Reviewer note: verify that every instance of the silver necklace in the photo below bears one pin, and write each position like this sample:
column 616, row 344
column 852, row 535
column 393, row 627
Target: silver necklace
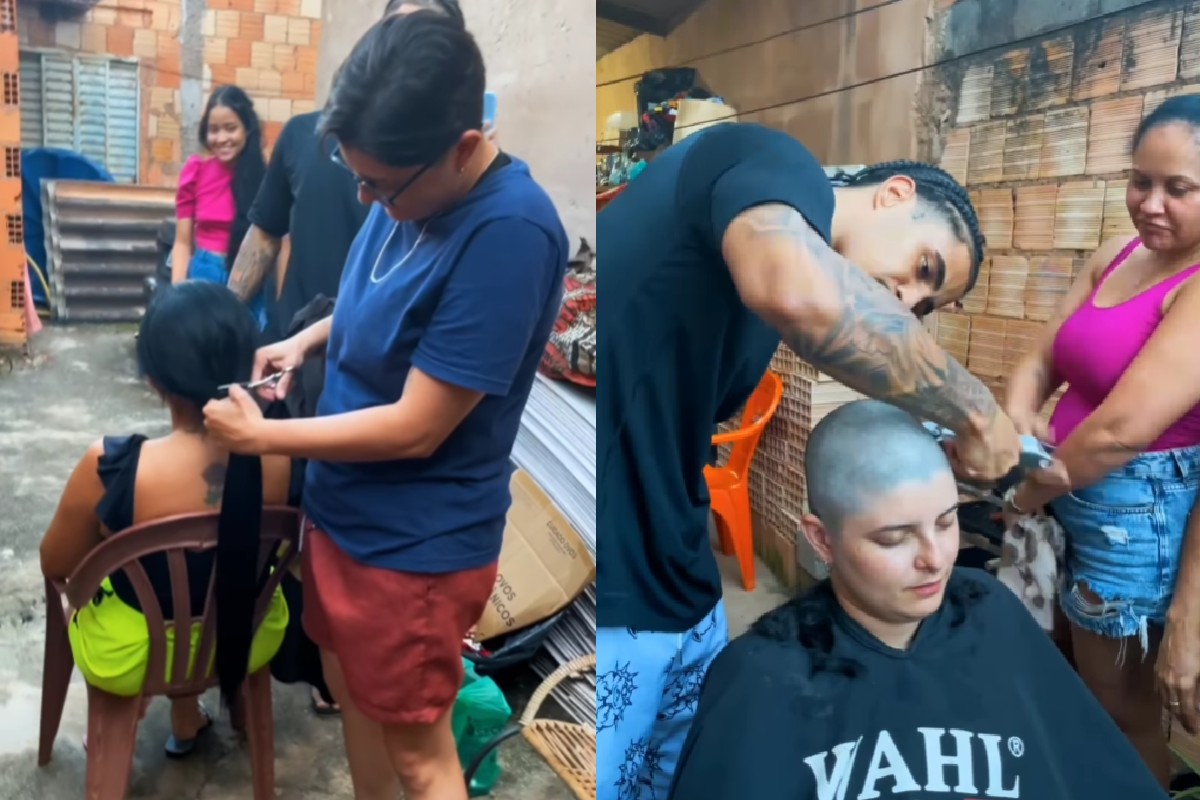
column 377, row 279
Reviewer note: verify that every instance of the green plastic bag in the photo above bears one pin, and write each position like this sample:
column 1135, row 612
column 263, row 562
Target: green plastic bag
column 480, row 713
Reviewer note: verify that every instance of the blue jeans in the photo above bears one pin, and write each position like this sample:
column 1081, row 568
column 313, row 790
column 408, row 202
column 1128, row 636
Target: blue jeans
column 1124, row 536
column 647, row 688
column 210, row 268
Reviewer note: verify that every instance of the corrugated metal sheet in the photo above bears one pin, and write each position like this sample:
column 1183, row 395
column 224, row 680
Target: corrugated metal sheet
column 32, row 134
column 82, row 103
column 101, row 242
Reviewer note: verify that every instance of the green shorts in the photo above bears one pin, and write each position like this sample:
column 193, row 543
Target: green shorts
column 111, row 643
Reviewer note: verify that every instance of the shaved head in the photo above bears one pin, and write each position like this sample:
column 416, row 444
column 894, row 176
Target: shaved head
column 862, row 452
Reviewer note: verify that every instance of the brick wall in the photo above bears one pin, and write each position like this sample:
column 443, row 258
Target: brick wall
column 1040, row 136
column 267, row 47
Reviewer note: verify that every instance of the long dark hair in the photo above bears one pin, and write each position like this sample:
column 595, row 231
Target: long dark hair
column 250, row 167
column 195, row 337
column 450, row 8
column 411, row 87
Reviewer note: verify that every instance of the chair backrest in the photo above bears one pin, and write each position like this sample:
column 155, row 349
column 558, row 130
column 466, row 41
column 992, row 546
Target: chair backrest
column 606, row 197
column 760, row 408
column 174, row 537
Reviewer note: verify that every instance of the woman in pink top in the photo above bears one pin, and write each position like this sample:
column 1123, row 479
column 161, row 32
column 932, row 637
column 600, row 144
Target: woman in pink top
column 215, row 193
column 1125, row 342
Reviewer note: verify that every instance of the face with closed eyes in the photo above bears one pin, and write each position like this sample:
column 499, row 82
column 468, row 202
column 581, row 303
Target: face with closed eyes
column 907, row 246
column 889, row 563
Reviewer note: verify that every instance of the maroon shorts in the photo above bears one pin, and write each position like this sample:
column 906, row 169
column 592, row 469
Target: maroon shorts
column 397, row 635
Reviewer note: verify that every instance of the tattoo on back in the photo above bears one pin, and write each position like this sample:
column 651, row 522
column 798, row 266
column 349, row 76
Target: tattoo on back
column 877, row 346
column 214, row 480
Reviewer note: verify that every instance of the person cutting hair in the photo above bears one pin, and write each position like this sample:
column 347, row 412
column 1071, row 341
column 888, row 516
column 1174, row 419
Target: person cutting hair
column 727, row 244
column 899, row 676
column 445, row 305
column 313, row 202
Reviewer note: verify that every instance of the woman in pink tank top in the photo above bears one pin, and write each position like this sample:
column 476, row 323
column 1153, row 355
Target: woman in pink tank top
column 1125, row 342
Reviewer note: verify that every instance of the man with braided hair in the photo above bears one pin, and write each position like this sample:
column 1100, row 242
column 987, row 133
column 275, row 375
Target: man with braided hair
column 727, row 244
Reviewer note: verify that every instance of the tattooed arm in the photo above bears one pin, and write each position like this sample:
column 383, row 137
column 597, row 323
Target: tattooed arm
column 845, row 324
column 255, row 261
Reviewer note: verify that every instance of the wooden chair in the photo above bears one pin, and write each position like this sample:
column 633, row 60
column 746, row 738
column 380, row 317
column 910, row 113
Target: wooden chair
column 112, row 720
column 568, row 748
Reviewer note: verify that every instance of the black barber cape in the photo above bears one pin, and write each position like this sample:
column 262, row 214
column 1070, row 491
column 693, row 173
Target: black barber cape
column 808, row 706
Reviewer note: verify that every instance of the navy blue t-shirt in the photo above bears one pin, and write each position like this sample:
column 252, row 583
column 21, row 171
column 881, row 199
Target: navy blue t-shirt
column 679, row 353
column 469, row 299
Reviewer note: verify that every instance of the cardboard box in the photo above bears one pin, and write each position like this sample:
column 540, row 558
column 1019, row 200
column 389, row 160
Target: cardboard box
column 544, row 564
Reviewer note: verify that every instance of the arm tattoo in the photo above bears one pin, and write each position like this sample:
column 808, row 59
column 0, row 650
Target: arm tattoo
column 214, row 480
column 255, row 260
column 876, row 345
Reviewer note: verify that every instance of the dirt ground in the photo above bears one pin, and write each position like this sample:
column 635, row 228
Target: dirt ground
column 82, row 384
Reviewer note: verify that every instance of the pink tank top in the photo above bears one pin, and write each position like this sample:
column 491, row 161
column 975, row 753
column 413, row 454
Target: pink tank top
column 1095, row 346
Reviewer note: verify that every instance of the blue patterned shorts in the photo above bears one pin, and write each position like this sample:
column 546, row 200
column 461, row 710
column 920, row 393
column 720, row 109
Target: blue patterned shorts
column 647, row 688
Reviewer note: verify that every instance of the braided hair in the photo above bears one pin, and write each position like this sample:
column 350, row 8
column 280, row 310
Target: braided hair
column 939, row 190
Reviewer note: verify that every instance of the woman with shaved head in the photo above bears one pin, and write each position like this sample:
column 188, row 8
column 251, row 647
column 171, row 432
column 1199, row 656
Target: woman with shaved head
column 901, row 675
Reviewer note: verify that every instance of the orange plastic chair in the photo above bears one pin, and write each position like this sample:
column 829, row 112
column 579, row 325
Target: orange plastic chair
column 112, row 720
column 729, row 486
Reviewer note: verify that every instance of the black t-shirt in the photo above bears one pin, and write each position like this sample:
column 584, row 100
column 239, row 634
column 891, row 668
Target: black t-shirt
column 306, row 194
column 982, row 705
column 680, row 353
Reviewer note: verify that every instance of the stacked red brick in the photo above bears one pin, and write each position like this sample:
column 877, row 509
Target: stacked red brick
column 13, row 330
column 268, row 47
column 1041, row 139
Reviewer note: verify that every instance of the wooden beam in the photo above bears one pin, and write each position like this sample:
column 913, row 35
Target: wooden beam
column 637, row 20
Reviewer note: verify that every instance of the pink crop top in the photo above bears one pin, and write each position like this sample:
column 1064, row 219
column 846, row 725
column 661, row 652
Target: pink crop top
column 205, row 195
column 1095, row 346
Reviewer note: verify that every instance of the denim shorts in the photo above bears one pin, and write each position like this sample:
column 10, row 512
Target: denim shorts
column 1124, row 536
column 210, row 267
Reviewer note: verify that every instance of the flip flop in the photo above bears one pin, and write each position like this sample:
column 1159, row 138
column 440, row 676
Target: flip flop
column 320, row 707
column 177, row 748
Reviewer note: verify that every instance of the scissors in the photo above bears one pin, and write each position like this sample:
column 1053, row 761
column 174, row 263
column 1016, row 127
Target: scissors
column 269, row 381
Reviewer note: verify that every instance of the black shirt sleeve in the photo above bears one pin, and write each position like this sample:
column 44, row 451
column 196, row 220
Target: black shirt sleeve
column 272, row 209
column 735, row 167
column 747, row 736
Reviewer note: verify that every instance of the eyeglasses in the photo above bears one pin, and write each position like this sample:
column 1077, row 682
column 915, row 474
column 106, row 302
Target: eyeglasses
column 370, row 188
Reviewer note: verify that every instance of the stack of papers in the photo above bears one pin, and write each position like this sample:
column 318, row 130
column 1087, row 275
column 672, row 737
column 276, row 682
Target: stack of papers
column 556, row 445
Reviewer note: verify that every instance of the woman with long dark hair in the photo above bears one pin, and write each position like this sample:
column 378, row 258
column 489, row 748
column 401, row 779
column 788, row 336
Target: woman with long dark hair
column 195, row 337
column 212, row 204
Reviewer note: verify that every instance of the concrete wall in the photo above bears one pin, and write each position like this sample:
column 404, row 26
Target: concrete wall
column 1039, row 132
column 795, row 81
column 267, row 47
column 541, row 67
